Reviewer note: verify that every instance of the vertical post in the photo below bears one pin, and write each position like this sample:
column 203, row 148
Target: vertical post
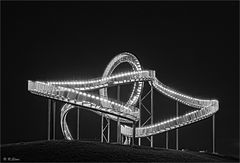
column 54, row 119
column 167, row 140
column 78, row 122
column 151, row 111
column 213, row 127
column 177, row 128
column 49, row 119
column 139, row 122
column 118, row 131
column 108, row 120
column 134, row 132
column 102, row 128
column 118, row 121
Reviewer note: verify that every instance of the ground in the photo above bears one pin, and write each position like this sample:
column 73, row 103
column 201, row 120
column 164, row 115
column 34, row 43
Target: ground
column 63, row 150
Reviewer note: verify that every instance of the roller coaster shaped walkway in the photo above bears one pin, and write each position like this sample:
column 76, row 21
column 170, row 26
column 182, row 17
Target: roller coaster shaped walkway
column 76, row 93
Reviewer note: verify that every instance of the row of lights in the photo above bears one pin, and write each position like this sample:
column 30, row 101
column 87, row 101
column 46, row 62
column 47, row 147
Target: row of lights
column 98, row 80
column 201, row 102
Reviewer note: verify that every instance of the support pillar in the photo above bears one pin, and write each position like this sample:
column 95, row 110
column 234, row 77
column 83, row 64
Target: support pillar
column 139, row 122
column 49, row 119
column 104, row 128
column 118, row 121
column 213, row 134
column 118, row 131
column 78, row 123
column 134, row 132
column 177, row 128
column 167, row 140
column 54, row 119
column 102, row 120
column 151, row 111
column 108, row 137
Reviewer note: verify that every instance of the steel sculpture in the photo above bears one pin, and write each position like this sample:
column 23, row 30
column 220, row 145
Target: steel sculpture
column 75, row 94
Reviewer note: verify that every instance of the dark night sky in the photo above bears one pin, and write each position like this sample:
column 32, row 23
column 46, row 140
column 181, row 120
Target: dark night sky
column 193, row 46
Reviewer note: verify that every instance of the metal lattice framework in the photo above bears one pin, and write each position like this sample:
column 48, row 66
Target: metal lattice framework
column 76, row 95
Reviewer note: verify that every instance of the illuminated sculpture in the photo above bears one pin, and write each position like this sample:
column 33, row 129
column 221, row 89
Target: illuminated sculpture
column 74, row 93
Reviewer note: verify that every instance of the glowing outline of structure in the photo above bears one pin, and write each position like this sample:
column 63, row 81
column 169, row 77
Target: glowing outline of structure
column 72, row 92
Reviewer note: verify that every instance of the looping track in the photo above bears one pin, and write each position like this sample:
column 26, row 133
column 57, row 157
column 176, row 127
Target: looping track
column 75, row 93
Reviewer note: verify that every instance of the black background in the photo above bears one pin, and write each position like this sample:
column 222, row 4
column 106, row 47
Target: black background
column 193, row 46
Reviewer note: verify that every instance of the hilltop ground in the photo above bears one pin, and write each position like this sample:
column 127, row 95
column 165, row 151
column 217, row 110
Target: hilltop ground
column 62, row 150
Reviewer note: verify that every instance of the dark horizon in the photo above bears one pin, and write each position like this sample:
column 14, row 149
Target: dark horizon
column 192, row 46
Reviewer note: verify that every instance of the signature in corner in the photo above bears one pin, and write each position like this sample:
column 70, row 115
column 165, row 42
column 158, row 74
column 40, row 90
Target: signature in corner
column 10, row 159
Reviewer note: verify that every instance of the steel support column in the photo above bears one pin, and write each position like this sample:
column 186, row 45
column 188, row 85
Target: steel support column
column 102, row 120
column 151, row 111
column 213, row 134
column 118, row 131
column 78, row 123
column 177, row 128
column 139, row 122
column 104, row 128
column 148, row 110
column 49, row 119
column 118, row 121
column 167, row 140
column 108, row 123
column 134, row 132
column 54, row 119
